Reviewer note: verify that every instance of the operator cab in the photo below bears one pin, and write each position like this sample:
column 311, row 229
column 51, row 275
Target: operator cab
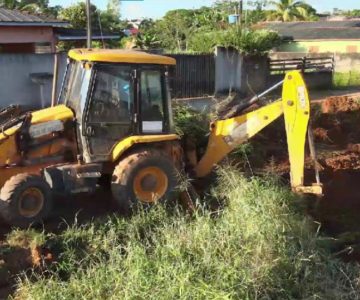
column 116, row 94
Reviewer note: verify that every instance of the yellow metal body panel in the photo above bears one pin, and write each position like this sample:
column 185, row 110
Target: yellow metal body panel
column 315, row 189
column 9, row 153
column 7, row 173
column 8, row 150
column 126, row 143
column 227, row 134
column 59, row 112
column 296, row 113
column 119, row 56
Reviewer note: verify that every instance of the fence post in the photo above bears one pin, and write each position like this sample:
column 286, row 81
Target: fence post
column 303, row 65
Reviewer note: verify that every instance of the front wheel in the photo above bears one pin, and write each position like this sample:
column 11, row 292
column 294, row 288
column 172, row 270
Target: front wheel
column 25, row 199
column 144, row 178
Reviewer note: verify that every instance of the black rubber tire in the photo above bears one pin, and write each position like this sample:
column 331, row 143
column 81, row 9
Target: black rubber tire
column 10, row 195
column 126, row 170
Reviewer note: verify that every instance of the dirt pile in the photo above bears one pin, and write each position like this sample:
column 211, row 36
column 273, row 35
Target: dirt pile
column 338, row 104
column 337, row 132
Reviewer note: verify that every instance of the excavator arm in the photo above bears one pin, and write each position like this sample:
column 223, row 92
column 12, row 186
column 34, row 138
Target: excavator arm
column 226, row 135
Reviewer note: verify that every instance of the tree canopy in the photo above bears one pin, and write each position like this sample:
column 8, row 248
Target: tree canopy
column 291, row 10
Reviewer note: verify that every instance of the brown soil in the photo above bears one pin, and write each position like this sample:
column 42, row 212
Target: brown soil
column 338, row 104
column 26, row 257
column 345, row 161
column 321, row 134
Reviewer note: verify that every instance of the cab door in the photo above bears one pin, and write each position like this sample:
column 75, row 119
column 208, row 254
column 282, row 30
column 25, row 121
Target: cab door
column 153, row 101
column 110, row 109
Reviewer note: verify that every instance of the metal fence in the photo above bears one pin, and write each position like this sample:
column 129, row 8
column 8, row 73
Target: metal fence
column 317, row 71
column 194, row 76
column 305, row 64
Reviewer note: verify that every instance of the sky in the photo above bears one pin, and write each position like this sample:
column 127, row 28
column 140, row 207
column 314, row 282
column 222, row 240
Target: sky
column 132, row 9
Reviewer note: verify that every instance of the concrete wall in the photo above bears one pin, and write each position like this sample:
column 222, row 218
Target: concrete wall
column 349, row 46
column 254, row 75
column 235, row 72
column 228, row 66
column 347, row 62
column 16, row 85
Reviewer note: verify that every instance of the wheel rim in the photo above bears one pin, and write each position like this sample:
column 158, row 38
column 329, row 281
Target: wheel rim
column 31, row 202
column 150, row 184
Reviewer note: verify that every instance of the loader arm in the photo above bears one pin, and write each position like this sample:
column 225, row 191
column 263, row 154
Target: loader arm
column 226, row 135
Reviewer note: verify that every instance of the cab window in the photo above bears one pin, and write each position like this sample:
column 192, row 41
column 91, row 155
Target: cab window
column 112, row 99
column 152, row 101
column 76, row 87
column 110, row 109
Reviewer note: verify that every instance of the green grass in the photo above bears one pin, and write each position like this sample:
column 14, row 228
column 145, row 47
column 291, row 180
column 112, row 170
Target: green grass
column 350, row 79
column 260, row 246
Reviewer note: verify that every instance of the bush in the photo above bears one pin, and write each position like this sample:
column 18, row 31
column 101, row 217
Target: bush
column 250, row 42
column 259, row 247
column 203, row 42
column 191, row 123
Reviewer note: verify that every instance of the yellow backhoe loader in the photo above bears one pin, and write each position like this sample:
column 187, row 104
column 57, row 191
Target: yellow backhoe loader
column 114, row 120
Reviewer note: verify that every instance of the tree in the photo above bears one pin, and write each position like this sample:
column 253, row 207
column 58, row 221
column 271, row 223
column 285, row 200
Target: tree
column 107, row 20
column 291, row 10
column 355, row 13
column 33, row 6
column 76, row 15
column 174, row 29
column 209, row 18
column 147, row 41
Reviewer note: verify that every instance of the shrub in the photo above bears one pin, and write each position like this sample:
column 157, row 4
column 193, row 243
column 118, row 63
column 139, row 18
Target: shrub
column 250, row 42
column 191, row 123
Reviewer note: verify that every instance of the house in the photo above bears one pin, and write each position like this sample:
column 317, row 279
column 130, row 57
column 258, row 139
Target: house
column 318, row 37
column 79, row 36
column 21, row 32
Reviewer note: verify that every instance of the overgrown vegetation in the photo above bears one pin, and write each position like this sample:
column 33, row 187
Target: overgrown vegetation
column 344, row 80
column 259, row 247
column 191, row 123
column 200, row 30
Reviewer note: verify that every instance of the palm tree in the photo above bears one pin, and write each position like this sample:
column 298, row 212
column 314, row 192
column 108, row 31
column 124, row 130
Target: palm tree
column 292, row 10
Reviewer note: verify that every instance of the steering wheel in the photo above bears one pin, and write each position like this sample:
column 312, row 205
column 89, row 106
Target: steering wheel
column 101, row 109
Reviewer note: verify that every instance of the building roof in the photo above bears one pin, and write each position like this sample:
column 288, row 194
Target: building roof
column 10, row 17
column 70, row 34
column 120, row 56
column 322, row 30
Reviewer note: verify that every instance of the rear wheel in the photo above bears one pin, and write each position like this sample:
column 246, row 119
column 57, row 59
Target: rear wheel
column 144, row 178
column 25, row 199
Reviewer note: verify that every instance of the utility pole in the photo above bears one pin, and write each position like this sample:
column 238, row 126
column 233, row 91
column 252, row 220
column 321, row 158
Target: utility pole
column 88, row 29
column 240, row 11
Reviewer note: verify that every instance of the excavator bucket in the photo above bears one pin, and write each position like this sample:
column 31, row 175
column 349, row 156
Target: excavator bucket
column 296, row 107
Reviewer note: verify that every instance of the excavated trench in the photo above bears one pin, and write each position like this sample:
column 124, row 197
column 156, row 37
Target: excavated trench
column 336, row 128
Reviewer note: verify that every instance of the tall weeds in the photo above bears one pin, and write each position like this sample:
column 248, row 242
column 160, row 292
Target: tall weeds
column 260, row 246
